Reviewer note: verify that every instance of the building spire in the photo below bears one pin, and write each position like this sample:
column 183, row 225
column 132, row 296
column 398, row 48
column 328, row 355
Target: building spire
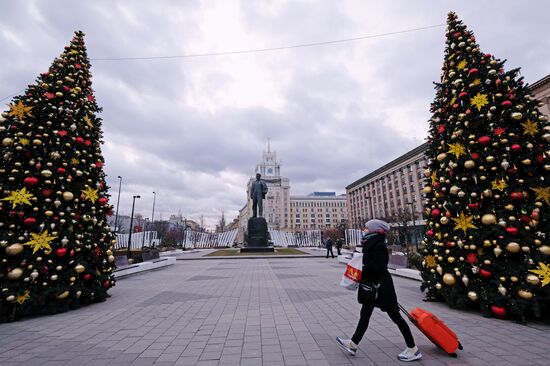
column 268, row 145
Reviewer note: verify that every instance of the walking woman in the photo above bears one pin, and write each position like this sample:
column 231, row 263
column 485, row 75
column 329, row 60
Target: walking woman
column 375, row 275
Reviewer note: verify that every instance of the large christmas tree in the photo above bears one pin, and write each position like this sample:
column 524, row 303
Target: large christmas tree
column 55, row 243
column 487, row 195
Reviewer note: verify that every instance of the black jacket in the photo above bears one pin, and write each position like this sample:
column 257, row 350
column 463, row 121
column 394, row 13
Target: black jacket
column 375, row 269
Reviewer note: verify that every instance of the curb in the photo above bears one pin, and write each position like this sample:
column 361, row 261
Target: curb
column 252, row 257
column 144, row 267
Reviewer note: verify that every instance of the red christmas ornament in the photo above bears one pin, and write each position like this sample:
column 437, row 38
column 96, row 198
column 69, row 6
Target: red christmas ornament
column 78, row 66
column 468, row 111
column 436, row 212
column 29, row 221
column 47, row 192
column 475, row 156
column 87, row 142
column 512, row 230
column 60, row 252
column 484, row 140
column 71, row 253
column 79, row 140
column 106, row 284
column 430, row 233
column 30, row 181
column 87, row 277
column 98, row 164
column 524, row 218
column 487, row 55
column 49, row 95
column 473, row 71
column 463, row 94
column 516, row 196
column 472, row 258
column 62, row 133
column 102, row 200
column 61, row 170
column 506, row 104
column 473, row 206
column 498, row 311
column 515, row 148
column 499, row 131
column 484, row 273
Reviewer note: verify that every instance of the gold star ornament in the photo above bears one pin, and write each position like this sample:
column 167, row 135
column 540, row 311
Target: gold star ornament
column 462, row 65
column 19, row 110
column 499, row 184
column 88, row 121
column 464, row 222
column 430, row 261
column 20, row 299
column 457, row 149
column 40, row 241
column 480, row 100
column 530, row 128
column 543, row 271
column 19, row 197
column 90, row 194
column 543, row 194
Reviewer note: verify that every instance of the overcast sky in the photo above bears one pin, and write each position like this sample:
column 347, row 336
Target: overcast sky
column 193, row 129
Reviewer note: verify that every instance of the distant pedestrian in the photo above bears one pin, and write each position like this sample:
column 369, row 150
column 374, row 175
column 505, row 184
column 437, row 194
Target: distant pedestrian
column 377, row 290
column 339, row 244
column 328, row 244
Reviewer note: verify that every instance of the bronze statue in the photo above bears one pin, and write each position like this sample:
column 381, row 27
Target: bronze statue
column 257, row 193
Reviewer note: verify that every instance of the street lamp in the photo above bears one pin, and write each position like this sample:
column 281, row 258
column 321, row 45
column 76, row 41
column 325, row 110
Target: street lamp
column 131, row 228
column 118, row 202
column 153, row 212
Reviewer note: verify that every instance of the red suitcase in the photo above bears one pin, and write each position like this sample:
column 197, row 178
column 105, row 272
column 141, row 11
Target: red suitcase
column 435, row 329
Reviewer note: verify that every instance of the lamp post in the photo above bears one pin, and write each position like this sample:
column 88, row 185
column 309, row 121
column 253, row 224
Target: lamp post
column 131, row 228
column 153, row 212
column 118, row 202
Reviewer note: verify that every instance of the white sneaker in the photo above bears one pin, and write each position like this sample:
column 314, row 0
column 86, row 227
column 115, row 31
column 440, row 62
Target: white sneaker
column 347, row 345
column 410, row 354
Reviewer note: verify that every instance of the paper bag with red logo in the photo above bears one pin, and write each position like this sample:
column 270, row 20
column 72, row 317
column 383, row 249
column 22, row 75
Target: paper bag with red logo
column 352, row 275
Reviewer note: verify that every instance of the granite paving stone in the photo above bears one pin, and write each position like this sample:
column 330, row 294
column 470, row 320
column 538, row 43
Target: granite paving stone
column 253, row 312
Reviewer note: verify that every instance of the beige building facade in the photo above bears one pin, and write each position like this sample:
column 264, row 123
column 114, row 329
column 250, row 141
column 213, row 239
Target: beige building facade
column 318, row 210
column 393, row 187
column 541, row 90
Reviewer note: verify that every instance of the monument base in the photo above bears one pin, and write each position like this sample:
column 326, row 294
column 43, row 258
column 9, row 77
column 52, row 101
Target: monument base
column 257, row 249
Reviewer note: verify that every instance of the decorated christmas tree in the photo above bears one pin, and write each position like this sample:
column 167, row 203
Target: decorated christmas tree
column 55, row 243
column 487, row 195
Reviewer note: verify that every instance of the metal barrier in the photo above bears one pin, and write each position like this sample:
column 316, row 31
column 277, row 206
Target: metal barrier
column 307, row 238
column 202, row 240
column 140, row 239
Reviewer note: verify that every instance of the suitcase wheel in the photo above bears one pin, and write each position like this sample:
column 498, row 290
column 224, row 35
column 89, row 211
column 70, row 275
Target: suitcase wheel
column 460, row 346
column 453, row 355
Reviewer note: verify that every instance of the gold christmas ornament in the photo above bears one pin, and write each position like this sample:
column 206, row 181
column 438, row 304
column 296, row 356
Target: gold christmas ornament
column 444, row 220
column 438, row 286
column 472, row 295
column 79, row 268
column 544, row 249
column 449, row 279
column 63, row 295
column 68, row 196
column 532, row 279
column 525, row 294
column 497, row 251
column 502, row 290
column 454, row 190
column 465, row 280
column 15, row 274
column 513, row 279
column 441, row 157
column 488, row 219
column 513, row 247
column 469, row 164
column 427, row 189
column 14, row 249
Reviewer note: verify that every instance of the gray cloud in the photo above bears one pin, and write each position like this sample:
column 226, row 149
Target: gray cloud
column 194, row 129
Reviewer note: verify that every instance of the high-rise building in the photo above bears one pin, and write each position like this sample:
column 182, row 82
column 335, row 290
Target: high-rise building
column 318, row 210
column 276, row 205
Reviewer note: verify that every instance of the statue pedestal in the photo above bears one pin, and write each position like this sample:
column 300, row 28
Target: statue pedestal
column 257, row 236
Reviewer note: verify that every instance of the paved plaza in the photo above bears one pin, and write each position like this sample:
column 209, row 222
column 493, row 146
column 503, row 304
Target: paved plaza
column 251, row 312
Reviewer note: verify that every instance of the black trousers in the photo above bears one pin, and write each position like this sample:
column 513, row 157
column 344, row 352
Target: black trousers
column 329, row 249
column 366, row 312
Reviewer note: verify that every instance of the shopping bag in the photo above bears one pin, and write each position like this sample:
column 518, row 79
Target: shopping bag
column 352, row 275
